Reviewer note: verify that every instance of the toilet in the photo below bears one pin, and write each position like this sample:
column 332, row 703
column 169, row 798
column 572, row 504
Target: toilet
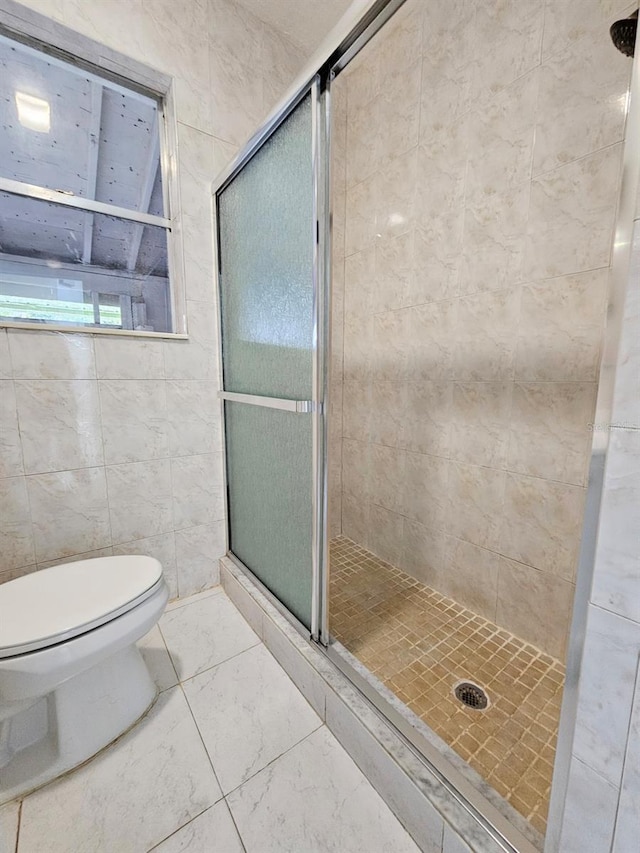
column 71, row 676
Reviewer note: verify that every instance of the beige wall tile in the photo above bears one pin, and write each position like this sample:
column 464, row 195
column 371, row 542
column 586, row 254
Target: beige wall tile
column 566, row 24
column 51, row 355
column 494, row 240
column 430, row 341
column 390, row 345
column 362, row 77
column 399, row 121
column 360, row 226
column 356, row 519
column 11, row 464
column 486, row 336
column 363, row 151
column 480, row 417
column 501, row 134
column 582, row 103
column 359, row 283
column 387, row 477
column 357, row 409
column 60, row 424
column 541, row 524
column 128, row 358
column 355, row 468
column 470, row 577
column 134, row 419
column 476, row 504
column 560, row 328
column 550, row 433
column 198, row 492
column 139, row 499
column 69, row 512
column 193, row 417
column 423, row 553
column 534, row 605
column 396, row 194
column 198, row 551
column 358, row 344
column 509, row 37
column 437, row 248
column 388, row 401
column 425, row 489
column 445, row 91
column 394, row 273
column 385, row 538
column 427, row 414
column 16, row 540
column 571, row 216
column 6, row 371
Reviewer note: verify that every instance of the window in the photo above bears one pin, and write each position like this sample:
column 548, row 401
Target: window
column 84, row 213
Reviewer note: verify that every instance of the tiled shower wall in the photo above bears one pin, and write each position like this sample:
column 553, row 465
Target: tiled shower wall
column 601, row 808
column 476, row 184
column 112, row 444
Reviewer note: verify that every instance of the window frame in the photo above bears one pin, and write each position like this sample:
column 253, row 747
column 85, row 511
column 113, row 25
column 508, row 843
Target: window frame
column 67, row 47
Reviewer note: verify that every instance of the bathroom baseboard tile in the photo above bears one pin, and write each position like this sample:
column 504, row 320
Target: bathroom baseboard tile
column 246, row 599
column 190, row 599
column 416, row 796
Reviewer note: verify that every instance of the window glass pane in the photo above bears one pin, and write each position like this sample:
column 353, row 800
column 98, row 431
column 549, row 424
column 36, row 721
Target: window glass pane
column 67, row 129
column 51, row 253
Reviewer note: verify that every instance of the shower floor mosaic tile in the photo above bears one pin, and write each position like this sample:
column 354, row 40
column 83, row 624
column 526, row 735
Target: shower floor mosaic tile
column 421, row 644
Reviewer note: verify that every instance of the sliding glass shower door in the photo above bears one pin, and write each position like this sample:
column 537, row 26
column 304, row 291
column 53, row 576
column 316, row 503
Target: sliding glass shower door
column 266, row 248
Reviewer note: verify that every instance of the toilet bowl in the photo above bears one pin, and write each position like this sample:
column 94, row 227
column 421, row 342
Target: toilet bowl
column 71, row 677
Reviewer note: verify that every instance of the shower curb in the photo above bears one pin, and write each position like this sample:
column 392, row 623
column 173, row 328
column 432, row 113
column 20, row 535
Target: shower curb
column 431, row 814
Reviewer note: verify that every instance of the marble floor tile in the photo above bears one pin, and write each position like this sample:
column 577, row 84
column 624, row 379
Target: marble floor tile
column 130, row 797
column 211, row 831
column 9, row 816
column 244, row 741
column 156, row 657
column 333, row 810
column 204, row 634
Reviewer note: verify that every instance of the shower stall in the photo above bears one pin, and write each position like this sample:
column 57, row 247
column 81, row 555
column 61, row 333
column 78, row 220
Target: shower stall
column 414, row 264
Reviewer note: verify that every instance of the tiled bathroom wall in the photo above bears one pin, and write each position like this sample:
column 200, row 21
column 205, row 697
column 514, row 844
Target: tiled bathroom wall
column 601, row 809
column 112, row 444
column 480, row 172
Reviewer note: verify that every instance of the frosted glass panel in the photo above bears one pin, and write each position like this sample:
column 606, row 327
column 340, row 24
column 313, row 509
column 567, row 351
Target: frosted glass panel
column 270, row 510
column 266, row 266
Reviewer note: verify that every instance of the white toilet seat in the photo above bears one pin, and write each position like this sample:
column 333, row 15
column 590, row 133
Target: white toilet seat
column 56, row 604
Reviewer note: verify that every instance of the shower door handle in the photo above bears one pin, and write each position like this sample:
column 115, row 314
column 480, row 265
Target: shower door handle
column 300, row 407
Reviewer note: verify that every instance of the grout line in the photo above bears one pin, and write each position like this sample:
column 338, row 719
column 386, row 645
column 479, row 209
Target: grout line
column 19, row 825
column 175, row 831
column 317, row 728
column 177, row 603
column 235, row 824
column 220, row 662
column 204, row 746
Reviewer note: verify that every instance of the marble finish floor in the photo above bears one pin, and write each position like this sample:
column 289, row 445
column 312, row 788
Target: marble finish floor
column 230, row 758
column 420, row 644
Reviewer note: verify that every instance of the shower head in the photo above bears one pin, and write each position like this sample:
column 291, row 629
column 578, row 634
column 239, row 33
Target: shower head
column 623, row 34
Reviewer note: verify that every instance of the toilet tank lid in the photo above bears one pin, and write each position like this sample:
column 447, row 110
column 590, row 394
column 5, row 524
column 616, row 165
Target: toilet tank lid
column 69, row 598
